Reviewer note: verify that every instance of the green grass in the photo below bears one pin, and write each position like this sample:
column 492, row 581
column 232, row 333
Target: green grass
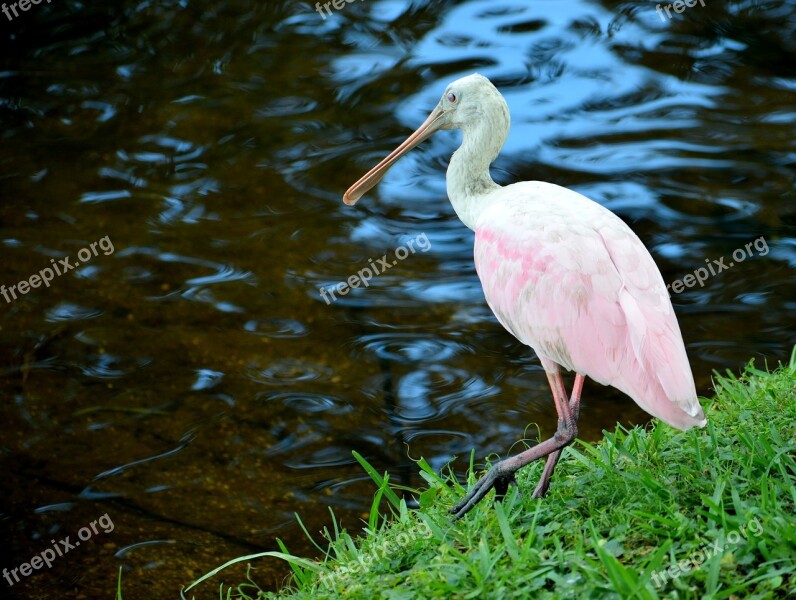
column 619, row 518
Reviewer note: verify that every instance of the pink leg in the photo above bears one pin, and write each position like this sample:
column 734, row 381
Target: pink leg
column 552, row 459
column 502, row 474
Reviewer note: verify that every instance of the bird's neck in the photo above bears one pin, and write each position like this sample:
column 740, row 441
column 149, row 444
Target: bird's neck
column 468, row 180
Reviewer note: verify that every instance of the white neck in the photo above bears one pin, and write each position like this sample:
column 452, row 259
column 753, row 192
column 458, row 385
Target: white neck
column 468, row 179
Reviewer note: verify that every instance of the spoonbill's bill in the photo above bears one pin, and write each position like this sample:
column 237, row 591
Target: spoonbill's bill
column 563, row 274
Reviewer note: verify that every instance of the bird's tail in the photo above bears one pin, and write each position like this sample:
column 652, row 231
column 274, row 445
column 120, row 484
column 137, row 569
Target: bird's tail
column 660, row 378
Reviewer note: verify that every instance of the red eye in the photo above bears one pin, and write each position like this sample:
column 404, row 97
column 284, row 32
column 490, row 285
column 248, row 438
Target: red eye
column 451, row 97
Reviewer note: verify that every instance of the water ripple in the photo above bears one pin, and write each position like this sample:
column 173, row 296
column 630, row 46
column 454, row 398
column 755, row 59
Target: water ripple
column 109, row 366
column 66, row 311
column 408, row 348
column 289, row 370
column 276, row 328
column 287, row 106
column 308, row 403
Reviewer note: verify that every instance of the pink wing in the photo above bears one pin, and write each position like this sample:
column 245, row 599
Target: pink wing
column 569, row 278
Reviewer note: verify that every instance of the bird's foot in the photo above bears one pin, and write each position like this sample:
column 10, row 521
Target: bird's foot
column 499, row 477
column 541, row 488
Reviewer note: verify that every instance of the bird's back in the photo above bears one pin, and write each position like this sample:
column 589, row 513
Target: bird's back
column 570, row 279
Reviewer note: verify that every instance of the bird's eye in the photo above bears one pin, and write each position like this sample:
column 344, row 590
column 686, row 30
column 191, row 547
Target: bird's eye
column 451, row 97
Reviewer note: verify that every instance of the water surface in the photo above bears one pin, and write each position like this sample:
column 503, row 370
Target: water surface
column 194, row 385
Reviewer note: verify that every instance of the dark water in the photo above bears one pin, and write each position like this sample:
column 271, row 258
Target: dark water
column 193, row 385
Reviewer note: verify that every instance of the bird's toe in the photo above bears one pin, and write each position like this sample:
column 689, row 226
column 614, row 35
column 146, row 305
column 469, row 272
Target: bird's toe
column 495, row 478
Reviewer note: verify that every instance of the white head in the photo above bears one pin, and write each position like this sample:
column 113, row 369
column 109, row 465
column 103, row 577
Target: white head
column 467, row 103
column 471, row 100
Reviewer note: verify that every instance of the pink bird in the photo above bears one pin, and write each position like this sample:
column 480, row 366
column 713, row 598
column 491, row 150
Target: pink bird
column 563, row 274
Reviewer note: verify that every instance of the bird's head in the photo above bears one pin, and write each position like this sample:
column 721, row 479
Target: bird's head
column 470, row 100
column 466, row 102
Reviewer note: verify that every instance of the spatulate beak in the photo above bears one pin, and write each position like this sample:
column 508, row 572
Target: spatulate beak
column 372, row 177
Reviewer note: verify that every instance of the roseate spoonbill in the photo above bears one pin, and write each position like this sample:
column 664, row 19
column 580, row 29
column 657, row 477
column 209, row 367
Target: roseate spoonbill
column 563, row 274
